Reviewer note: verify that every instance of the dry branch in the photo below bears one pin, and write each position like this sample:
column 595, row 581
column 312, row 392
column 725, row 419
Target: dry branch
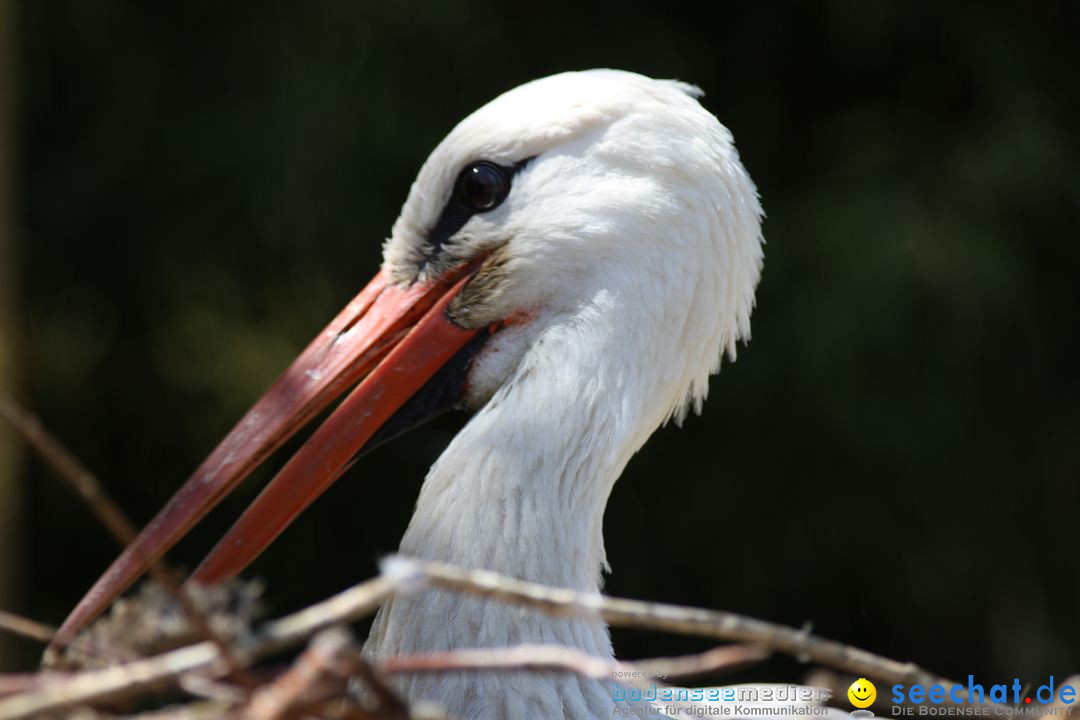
column 402, row 575
column 557, row 658
column 25, row 627
column 656, row 616
column 324, row 655
column 43, row 633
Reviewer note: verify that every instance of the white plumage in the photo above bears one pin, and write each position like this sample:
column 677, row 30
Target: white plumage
column 631, row 246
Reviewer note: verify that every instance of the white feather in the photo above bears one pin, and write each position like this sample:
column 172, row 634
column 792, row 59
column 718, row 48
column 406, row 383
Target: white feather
column 632, row 242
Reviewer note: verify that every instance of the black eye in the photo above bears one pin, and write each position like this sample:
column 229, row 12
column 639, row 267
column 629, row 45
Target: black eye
column 482, row 186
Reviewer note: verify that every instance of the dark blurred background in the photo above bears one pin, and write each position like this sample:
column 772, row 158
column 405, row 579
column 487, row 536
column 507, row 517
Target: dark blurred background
column 197, row 187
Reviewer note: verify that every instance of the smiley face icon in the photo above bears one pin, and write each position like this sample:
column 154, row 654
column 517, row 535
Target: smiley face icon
column 862, row 693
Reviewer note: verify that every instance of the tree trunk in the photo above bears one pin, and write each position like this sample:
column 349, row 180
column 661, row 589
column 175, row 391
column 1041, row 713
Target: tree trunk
column 10, row 495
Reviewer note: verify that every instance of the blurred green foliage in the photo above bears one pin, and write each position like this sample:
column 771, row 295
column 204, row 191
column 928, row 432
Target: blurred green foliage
column 894, row 457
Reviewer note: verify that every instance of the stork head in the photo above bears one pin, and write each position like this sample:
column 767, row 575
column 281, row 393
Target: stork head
column 598, row 189
column 587, row 182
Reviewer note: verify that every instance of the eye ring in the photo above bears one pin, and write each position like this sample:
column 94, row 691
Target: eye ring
column 482, row 186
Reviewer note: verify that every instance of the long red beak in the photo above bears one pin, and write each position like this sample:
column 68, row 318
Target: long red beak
column 391, row 339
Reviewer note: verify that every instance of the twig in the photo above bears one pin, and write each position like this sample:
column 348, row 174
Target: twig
column 721, row 658
column 388, row 700
column 43, row 633
column 332, row 653
column 211, row 689
column 27, row 628
column 86, row 485
column 557, row 658
column 656, row 616
column 68, row 467
column 11, row 683
column 325, row 653
column 114, row 682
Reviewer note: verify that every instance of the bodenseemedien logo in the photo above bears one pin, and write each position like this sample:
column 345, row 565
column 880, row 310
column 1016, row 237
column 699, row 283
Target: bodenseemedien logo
column 648, row 699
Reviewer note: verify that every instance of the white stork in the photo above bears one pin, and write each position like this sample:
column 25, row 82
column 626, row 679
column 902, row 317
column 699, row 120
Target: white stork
column 571, row 263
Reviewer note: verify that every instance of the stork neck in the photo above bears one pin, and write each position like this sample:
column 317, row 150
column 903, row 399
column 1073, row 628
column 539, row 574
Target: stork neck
column 522, row 489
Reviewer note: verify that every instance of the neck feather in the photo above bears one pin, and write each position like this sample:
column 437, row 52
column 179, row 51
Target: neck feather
column 521, row 490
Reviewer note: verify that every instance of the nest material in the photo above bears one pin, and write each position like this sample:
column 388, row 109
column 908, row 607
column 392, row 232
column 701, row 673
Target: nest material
column 151, row 622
